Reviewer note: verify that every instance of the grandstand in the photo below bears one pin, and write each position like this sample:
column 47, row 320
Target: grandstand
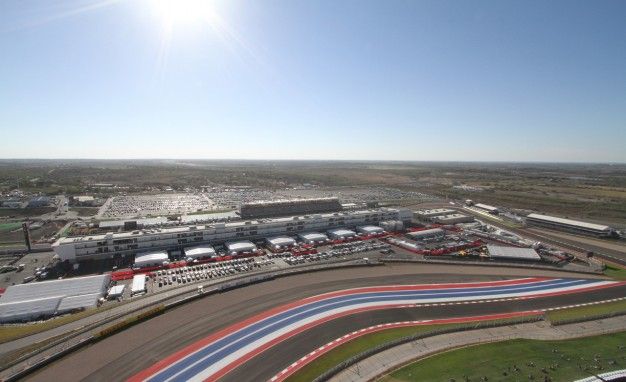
column 288, row 207
column 569, row 225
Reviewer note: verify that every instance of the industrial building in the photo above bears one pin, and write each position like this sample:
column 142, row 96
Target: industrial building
column 288, row 207
column 369, row 230
column 39, row 201
column 238, row 247
column 427, row 215
column 134, row 224
column 392, row 225
column 427, row 234
column 512, row 253
column 487, row 208
column 279, row 242
column 209, row 217
column 453, row 219
column 120, row 244
column 569, row 225
column 341, row 234
column 27, row 302
column 200, row 252
column 313, row 237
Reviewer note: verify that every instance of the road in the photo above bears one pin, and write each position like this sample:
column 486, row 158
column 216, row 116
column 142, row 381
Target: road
column 125, row 354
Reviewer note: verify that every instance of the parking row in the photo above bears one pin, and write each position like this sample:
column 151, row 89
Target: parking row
column 193, row 273
column 333, row 252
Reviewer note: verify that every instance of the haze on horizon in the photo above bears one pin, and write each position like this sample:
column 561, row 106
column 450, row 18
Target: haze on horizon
column 347, row 80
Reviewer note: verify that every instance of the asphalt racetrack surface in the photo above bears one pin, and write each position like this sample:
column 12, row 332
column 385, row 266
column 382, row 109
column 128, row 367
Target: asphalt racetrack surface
column 133, row 350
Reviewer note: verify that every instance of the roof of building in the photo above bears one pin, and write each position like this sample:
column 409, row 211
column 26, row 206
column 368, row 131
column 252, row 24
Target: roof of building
column 486, row 207
column 557, row 220
column 342, row 232
column 117, row 289
column 435, row 211
column 18, row 310
column 453, row 216
column 241, row 246
column 78, row 302
column 48, row 297
column 201, row 250
column 191, row 219
column 315, row 236
column 427, row 232
column 146, row 222
column 288, row 201
column 512, row 252
column 369, row 229
column 187, row 228
column 151, row 257
column 281, row 240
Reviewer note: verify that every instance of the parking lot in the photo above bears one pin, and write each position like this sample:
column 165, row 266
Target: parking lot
column 163, row 280
column 143, row 205
column 189, row 274
column 167, row 279
column 332, row 252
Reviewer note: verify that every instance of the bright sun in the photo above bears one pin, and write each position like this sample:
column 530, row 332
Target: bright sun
column 183, row 11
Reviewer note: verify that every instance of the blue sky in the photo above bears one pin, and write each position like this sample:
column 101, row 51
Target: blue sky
column 294, row 79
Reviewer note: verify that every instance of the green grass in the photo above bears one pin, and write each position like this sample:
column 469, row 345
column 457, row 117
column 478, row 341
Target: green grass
column 361, row 344
column 589, row 311
column 615, row 272
column 559, row 359
column 7, row 227
column 66, row 231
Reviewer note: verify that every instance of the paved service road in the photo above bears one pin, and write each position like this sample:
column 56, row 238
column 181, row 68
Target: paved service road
column 131, row 351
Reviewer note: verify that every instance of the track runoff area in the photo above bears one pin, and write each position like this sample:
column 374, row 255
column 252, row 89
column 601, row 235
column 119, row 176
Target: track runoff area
column 216, row 355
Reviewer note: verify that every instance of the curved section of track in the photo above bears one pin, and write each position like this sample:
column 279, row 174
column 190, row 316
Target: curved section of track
column 213, row 357
column 303, row 361
column 127, row 353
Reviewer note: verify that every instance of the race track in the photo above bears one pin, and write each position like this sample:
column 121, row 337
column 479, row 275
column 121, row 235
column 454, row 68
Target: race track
column 215, row 356
column 128, row 353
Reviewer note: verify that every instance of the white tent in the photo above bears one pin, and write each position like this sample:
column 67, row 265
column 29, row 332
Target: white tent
column 200, row 252
column 150, row 259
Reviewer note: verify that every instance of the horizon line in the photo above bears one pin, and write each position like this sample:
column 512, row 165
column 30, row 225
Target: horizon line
column 316, row 160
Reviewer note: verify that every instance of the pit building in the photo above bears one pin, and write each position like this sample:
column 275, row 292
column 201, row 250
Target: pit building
column 122, row 244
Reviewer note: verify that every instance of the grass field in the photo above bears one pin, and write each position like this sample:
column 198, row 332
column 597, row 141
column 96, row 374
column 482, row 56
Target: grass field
column 589, row 311
column 6, row 227
column 521, row 360
column 361, row 344
column 615, row 272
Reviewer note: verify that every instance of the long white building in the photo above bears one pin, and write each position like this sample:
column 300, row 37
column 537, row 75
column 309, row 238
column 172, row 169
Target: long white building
column 110, row 245
column 569, row 225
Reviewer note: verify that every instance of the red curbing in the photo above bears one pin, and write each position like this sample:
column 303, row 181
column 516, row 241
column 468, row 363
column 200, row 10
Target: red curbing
column 299, row 364
column 157, row 367
column 242, row 324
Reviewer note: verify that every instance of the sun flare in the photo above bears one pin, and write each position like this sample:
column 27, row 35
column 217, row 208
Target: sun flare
column 183, row 11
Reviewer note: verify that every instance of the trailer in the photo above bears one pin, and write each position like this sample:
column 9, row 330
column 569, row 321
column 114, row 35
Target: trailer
column 138, row 285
